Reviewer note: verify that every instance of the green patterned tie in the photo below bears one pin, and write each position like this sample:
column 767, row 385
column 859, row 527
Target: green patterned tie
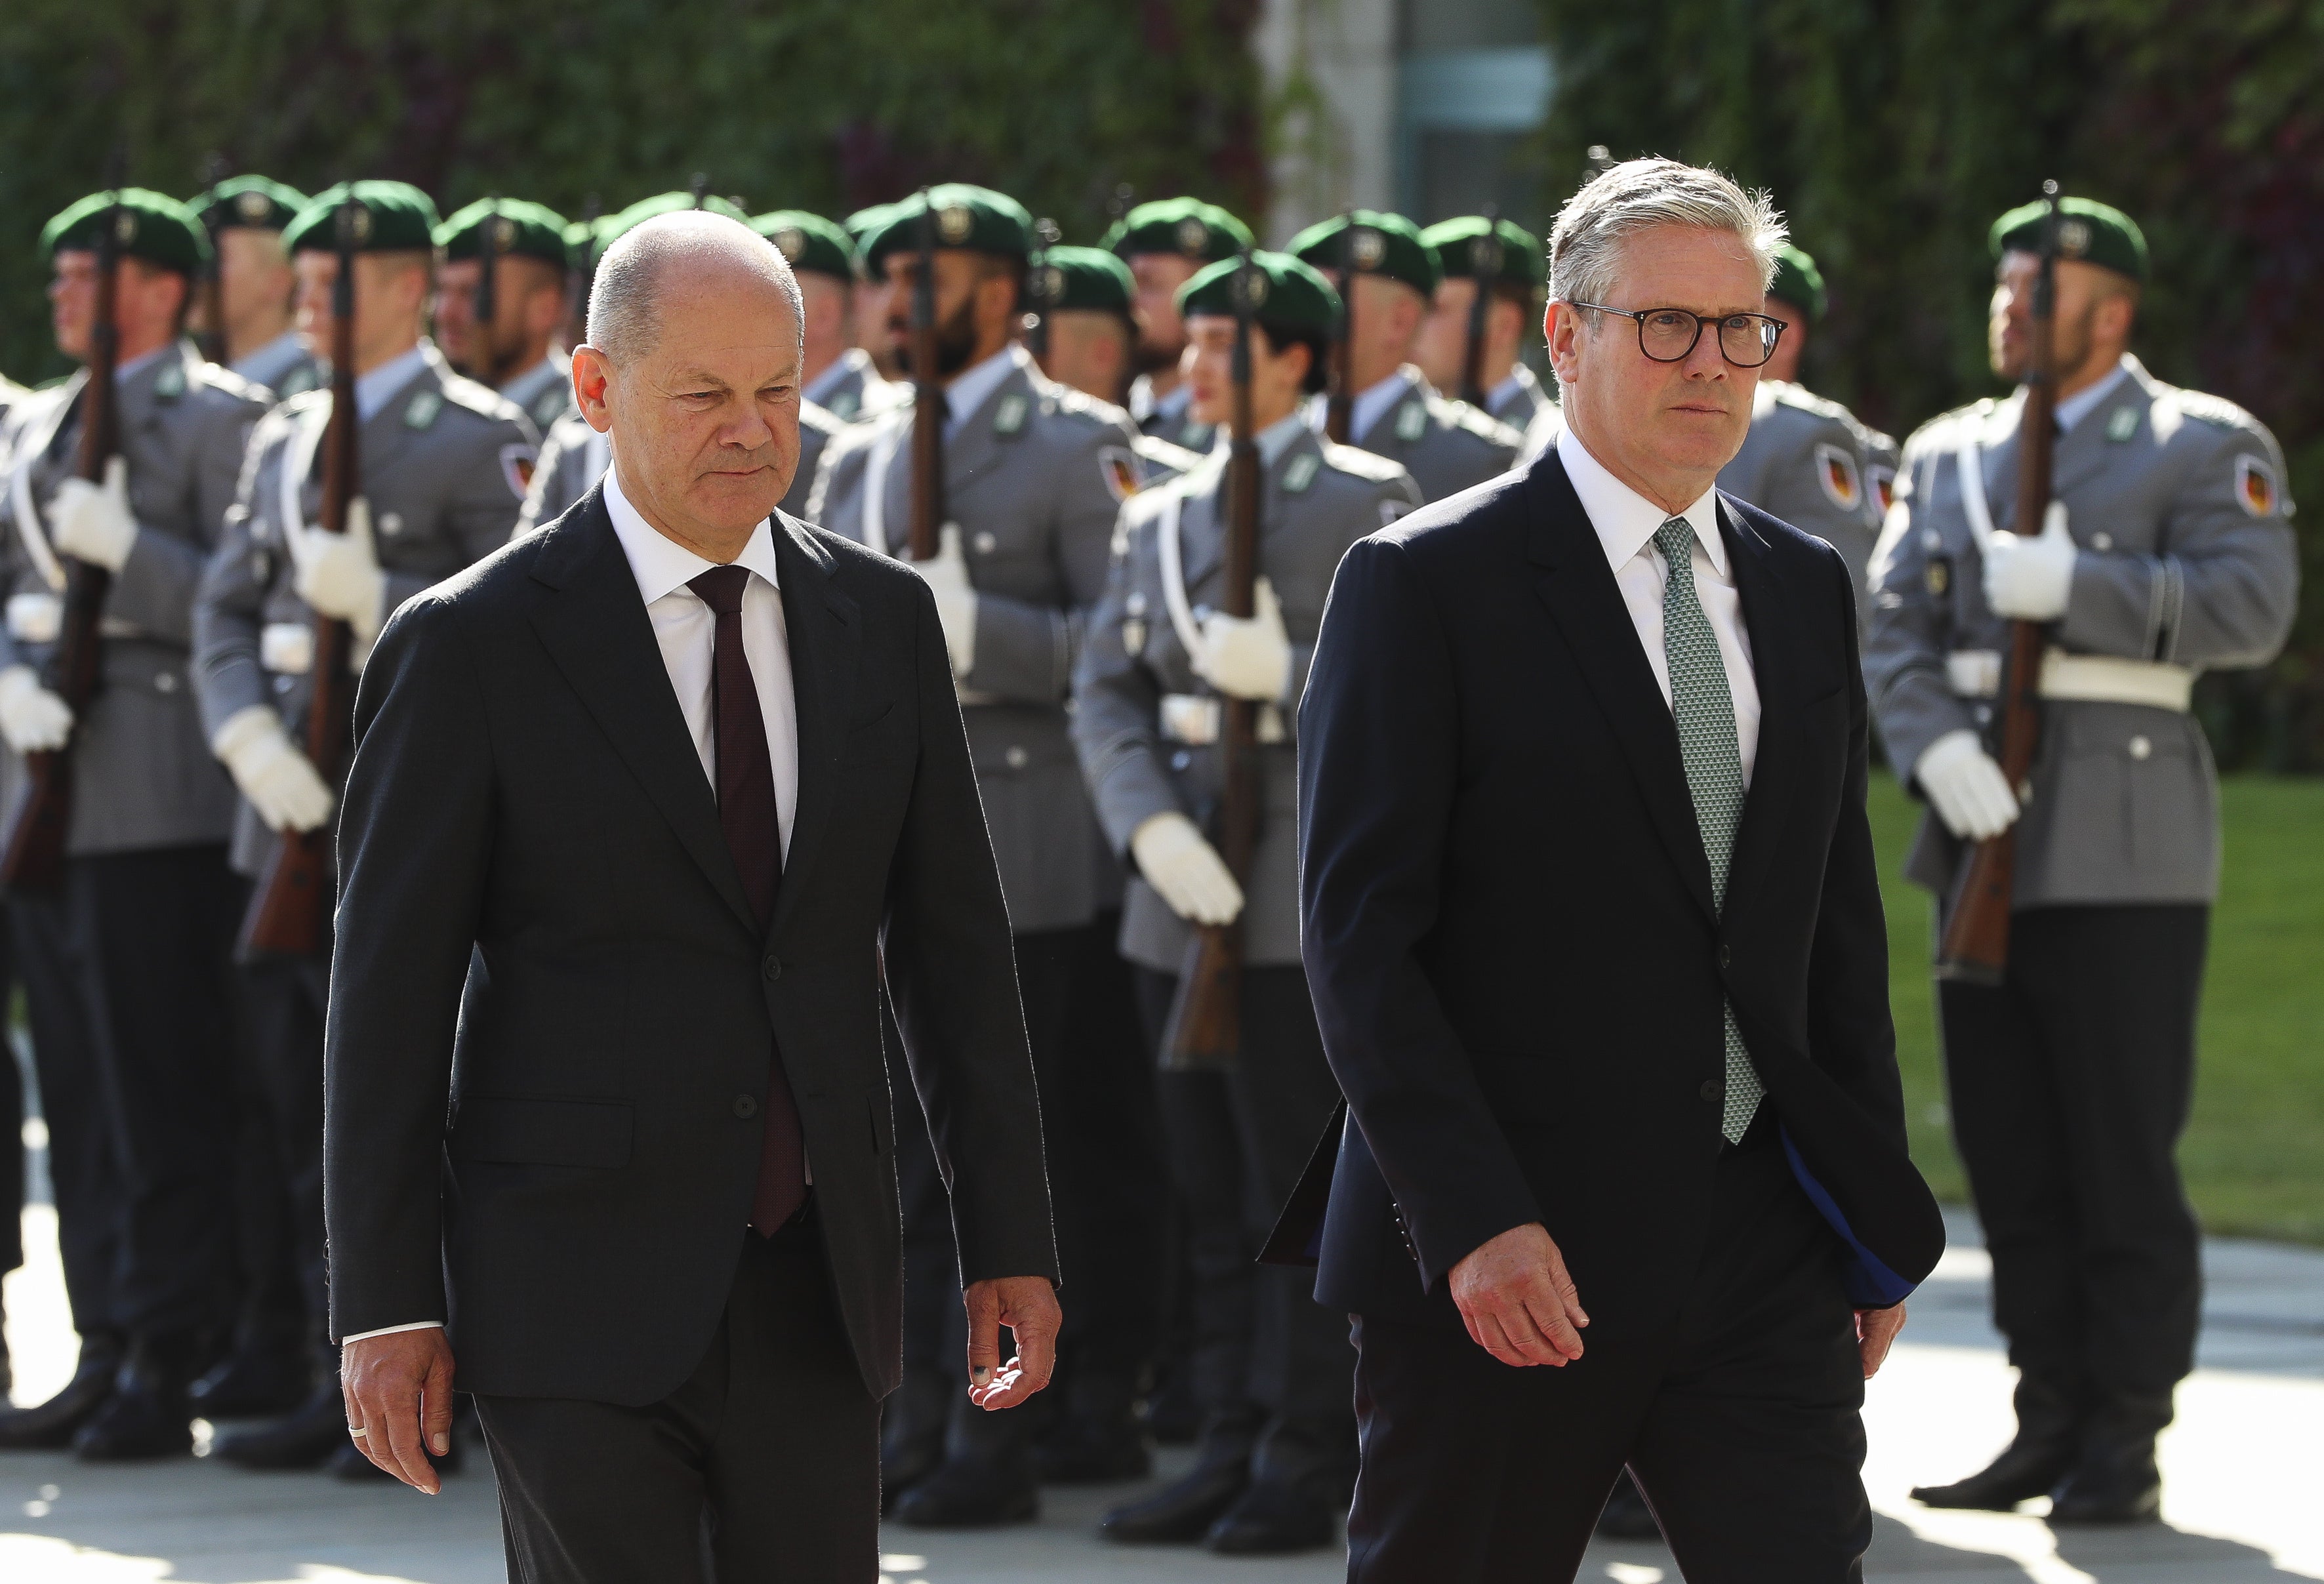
column 1706, row 712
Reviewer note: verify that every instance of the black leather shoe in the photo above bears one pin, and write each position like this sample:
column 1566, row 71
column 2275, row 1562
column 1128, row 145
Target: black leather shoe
column 255, row 1384
column 973, row 1493
column 1627, row 1515
column 2114, row 1481
column 1092, row 1451
column 2048, row 1433
column 1276, row 1517
column 146, row 1418
column 1181, row 1512
column 50, row 1426
column 306, row 1439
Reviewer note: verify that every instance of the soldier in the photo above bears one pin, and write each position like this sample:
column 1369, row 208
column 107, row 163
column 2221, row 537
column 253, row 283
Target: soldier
column 126, row 973
column 244, row 215
column 1272, row 1368
column 1517, row 267
column 1805, row 459
column 438, row 487
column 1165, row 242
column 1085, row 314
column 517, row 353
column 1033, row 473
column 840, row 376
column 1446, row 446
column 2169, row 553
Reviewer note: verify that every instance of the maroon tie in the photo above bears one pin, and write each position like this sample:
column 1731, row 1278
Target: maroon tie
column 746, row 810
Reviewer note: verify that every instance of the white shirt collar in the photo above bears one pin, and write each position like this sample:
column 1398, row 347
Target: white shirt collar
column 374, row 390
column 1626, row 520
column 2082, row 403
column 660, row 564
column 970, row 387
column 834, row 374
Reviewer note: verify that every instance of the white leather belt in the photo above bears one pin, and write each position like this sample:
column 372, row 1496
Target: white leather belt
column 1976, row 673
column 287, row 649
column 1196, row 719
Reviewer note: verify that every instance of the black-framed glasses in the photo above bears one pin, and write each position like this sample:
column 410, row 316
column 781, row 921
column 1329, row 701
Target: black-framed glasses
column 1667, row 335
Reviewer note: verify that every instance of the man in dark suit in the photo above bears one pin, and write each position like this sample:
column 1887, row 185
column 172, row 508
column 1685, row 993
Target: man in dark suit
column 641, row 808
column 1590, row 916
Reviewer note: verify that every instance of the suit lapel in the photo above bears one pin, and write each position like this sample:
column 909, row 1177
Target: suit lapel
column 1768, row 618
column 596, row 631
column 1579, row 588
column 824, row 637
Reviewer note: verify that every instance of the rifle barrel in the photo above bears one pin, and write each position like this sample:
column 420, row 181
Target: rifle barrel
column 928, row 397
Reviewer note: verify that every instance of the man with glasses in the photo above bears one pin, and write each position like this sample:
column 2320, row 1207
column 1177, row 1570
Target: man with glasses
column 1591, row 916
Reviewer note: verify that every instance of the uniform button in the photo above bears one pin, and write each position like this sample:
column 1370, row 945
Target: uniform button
column 1181, row 759
column 1725, row 957
column 282, row 685
column 772, row 968
column 1714, row 1090
column 1017, row 756
column 2140, row 747
column 985, row 543
column 391, row 523
column 165, row 682
column 746, row 1106
column 2102, row 542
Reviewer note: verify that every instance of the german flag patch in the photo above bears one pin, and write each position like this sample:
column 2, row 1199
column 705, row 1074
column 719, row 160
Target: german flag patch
column 1119, row 464
column 1836, row 472
column 1883, row 480
column 2255, row 487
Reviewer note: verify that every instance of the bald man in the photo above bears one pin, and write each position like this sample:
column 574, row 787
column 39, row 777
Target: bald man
column 636, row 804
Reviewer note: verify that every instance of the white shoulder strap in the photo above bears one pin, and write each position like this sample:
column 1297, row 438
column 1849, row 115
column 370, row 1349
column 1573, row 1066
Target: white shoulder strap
column 875, row 485
column 1173, row 581
column 299, row 450
column 34, row 444
column 1974, row 505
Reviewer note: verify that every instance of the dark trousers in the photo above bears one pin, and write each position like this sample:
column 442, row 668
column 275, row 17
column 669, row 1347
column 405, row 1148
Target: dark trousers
column 283, row 1001
column 82, row 1170
column 1740, row 1420
column 2070, row 1088
column 11, row 1135
column 155, row 931
column 1269, row 1362
column 772, row 1443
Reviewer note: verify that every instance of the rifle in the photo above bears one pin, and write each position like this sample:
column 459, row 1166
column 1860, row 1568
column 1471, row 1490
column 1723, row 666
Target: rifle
column 1205, row 1030
column 289, row 913
column 1976, row 945
column 33, row 863
column 483, row 361
column 1036, row 291
column 213, row 340
column 927, row 399
column 1340, row 407
column 1484, row 269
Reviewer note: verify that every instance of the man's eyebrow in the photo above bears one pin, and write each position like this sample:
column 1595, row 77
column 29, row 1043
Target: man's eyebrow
column 698, row 379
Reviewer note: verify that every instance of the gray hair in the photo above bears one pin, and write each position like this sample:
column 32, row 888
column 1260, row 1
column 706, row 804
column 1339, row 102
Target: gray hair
column 625, row 297
column 1585, row 245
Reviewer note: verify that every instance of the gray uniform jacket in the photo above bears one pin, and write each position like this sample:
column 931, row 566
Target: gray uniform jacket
column 284, row 366
column 859, row 392
column 574, row 456
column 1159, row 462
column 1516, row 406
column 1033, row 477
column 143, row 773
column 438, row 463
column 1806, row 460
column 545, row 392
column 1446, row 446
column 1168, row 419
column 2176, row 502
column 1316, row 500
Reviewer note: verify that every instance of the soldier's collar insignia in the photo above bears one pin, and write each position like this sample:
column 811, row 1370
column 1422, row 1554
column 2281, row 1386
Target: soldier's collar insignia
column 549, row 407
column 1301, row 472
column 2255, row 486
column 1411, row 420
column 297, row 381
column 421, row 410
column 170, row 381
column 1836, row 472
column 2122, row 424
column 1196, row 437
column 1009, row 416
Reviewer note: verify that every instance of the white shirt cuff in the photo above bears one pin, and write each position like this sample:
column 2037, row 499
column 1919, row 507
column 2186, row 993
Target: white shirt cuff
column 388, row 1330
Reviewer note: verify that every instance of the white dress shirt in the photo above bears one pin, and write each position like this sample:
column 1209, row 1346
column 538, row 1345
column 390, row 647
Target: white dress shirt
column 1627, row 522
column 686, row 629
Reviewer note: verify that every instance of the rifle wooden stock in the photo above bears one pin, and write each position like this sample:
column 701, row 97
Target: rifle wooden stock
column 1974, row 949
column 927, row 402
column 1484, row 269
column 32, row 860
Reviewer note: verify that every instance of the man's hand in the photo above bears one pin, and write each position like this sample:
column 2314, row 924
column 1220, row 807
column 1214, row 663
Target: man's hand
column 1876, row 1333
column 1027, row 1306
column 1517, row 1300
column 399, row 1393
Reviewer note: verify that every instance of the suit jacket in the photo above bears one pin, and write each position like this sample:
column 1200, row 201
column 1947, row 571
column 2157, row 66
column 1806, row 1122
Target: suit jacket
column 1808, row 462
column 1508, row 928
column 549, row 1001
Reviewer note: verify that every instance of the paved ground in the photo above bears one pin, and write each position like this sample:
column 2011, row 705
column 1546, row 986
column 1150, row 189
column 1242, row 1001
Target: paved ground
column 2245, row 1468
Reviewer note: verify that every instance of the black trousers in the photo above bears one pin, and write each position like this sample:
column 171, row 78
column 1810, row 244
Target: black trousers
column 1269, row 1362
column 155, row 932
column 82, row 1165
column 2070, row 1087
column 771, row 1444
column 1740, row 1420
column 283, row 1001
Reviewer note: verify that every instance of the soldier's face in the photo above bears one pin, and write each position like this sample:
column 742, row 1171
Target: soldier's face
column 1275, row 377
column 1089, row 349
column 2090, row 322
column 145, row 303
column 391, row 290
column 962, row 289
column 1154, row 305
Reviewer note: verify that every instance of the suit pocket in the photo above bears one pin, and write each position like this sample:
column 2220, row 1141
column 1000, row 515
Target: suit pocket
column 543, row 1132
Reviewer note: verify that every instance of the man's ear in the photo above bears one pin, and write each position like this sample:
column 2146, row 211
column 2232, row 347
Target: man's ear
column 593, row 378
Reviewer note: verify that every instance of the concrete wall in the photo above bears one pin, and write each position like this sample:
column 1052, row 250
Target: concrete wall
column 1330, row 70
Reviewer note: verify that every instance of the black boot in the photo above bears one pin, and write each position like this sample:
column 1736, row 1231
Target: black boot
column 149, row 1415
column 1097, row 1441
column 2049, row 1426
column 2113, row 1479
column 1626, row 1515
column 306, row 1439
column 254, row 1383
column 50, row 1427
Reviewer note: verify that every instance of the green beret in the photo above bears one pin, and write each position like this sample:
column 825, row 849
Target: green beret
column 253, row 203
column 864, row 222
column 1081, row 278
column 810, row 241
column 1514, row 255
column 582, row 245
column 1292, row 297
column 1382, row 244
column 975, row 218
column 1798, row 281
column 395, row 217
column 2094, row 233
column 152, row 226
column 662, row 203
column 527, row 230
column 1184, row 226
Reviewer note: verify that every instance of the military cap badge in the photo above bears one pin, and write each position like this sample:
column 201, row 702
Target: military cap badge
column 1193, row 234
column 1254, row 289
column 504, row 233
column 359, row 224
column 791, row 242
column 124, row 227
column 954, row 222
column 1052, row 283
column 1485, row 255
column 253, row 206
column 1366, row 247
column 2073, row 236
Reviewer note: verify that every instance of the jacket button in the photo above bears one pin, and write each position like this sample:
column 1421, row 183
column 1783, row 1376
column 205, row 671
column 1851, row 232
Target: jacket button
column 1017, row 756
column 1714, row 1090
column 746, row 1106
column 1726, row 958
column 2140, row 747
column 772, row 968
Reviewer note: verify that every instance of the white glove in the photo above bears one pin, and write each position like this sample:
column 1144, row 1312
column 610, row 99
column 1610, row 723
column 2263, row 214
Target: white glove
column 32, row 719
column 280, row 782
column 1249, row 659
column 1966, row 786
column 1186, row 870
column 92, row 521
column 947, row 578
column 2030, row 580
column 342, row 579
